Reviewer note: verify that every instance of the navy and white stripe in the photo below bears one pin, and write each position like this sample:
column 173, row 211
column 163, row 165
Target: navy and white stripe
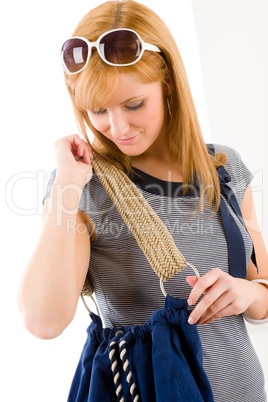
column 128, row 291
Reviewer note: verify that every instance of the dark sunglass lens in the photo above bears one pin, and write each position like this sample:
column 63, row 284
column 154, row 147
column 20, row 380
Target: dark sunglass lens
column 75, row 52
column 120, row 47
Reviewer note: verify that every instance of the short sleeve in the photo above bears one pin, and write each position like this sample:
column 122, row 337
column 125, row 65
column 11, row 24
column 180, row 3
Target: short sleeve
column 85, row 203
column 94, row 200
column 49, row 185
column 96, row 203
column 241, row 176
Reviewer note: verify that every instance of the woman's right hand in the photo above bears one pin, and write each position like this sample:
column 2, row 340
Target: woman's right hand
column 73, row 156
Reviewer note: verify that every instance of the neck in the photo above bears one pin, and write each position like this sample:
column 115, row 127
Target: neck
column 162, row 166
column 159, row 153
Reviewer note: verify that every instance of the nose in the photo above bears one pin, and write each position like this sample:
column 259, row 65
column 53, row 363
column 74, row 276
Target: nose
column 119, row 125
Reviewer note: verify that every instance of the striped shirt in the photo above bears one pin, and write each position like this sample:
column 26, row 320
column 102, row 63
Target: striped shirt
column 127, row 289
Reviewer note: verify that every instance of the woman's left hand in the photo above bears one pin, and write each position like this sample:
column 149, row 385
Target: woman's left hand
column 223, row 295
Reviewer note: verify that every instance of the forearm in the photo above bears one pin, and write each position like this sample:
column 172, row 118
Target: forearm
column 48, row 291
column 258, row 310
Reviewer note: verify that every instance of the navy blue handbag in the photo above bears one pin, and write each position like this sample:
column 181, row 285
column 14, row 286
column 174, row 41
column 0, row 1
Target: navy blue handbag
column 161, row 360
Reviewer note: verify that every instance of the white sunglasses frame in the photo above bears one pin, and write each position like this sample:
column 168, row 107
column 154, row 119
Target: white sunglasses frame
column 145, row 46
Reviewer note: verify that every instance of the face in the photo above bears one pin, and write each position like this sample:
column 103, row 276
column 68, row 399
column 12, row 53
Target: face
column 134, row 120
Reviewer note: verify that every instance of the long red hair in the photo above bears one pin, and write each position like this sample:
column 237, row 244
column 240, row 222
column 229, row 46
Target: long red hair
column 94, row 87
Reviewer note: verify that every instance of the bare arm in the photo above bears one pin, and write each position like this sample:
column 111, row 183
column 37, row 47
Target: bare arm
column 225, row 295
column 54, row 276
column 258, row 309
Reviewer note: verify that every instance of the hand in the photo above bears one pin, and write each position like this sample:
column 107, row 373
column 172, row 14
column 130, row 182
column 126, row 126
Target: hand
column 74, row 156
column 223, row 295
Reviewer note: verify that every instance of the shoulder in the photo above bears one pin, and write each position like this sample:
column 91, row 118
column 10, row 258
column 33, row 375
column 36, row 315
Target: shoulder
column 239, row 172
column 235, row 165
column 93, row 195
column 232, row 154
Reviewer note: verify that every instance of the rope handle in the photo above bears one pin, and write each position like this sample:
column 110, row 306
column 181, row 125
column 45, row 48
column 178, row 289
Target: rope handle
column 148, row 229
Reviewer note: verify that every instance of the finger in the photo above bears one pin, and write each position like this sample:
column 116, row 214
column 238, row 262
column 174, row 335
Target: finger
column 191, row 280
column 84, row 151
column 76, row 139
column 87, row 154
column 226, row 311
column 215, row 308
column 203, row 284
column 207, row 305
column 76, row 142
column 86, row 157
column 77, row 151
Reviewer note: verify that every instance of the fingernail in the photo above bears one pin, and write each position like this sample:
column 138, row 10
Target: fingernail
column 190, row 320
column 190, row 302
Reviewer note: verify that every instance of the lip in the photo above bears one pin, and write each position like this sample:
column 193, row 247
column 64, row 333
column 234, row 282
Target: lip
column 127, row 141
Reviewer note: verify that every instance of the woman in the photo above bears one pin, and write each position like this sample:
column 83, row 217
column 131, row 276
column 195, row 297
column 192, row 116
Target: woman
column 142, row 115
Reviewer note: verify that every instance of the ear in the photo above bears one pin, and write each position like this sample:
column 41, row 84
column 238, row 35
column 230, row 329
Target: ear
column 166, row 87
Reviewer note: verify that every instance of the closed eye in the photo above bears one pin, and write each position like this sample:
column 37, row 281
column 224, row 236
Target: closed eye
column 135, row 105
column 130, row 107
column 98, row 112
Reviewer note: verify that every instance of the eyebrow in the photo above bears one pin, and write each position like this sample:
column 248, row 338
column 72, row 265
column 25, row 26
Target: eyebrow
column 132, row 98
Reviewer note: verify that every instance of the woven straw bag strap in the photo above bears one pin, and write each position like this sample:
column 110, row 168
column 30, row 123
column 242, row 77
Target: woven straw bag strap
column 149, row 231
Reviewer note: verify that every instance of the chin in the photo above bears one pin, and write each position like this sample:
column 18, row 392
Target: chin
column 131, row 153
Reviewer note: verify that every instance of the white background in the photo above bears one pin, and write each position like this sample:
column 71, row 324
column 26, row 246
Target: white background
column 224, row 47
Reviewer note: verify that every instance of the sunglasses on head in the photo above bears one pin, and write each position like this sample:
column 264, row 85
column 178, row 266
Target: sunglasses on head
column 118, row 47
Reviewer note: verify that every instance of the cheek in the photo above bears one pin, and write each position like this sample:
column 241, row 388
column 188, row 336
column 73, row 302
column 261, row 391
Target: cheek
column 152, row 117
column 156, row 116
column 100, row 124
